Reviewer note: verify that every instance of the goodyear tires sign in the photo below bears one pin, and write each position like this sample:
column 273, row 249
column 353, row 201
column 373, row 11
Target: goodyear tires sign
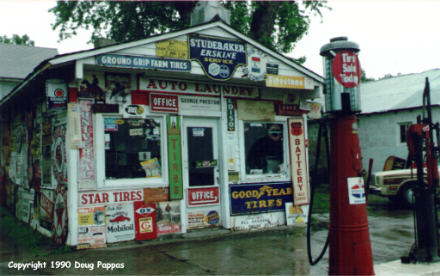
column 260, row 198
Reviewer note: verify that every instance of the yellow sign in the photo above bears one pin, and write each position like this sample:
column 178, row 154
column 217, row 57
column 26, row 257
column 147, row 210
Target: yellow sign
column 291, row 82
column 172, row 49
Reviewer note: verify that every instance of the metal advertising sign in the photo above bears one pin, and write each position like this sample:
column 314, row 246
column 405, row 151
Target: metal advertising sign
column 164, row 103
column 290, row 82
column 205, row 106
column 298, row 161
column 356, row 190
column 203, row 218
column 56, row 92
column 145, row 221
column 86, row 164
column 175, row 158
column 203, row 196
column 259, row 198
column 91, row 227
column 120, row 222
column 109, row 197
column 347, row 69
column 218, row 57
column 144, row 62
column 230, row 108
column 168, row 217
column 172, row 48
column 197, row 88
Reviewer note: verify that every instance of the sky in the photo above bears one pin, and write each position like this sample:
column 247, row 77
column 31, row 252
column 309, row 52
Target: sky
column 395, row 36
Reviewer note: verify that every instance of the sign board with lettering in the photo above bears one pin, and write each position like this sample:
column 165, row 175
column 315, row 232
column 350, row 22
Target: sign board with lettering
column 145, row 221
column 91, row 227
column 205, row 106
column 298, row 161
column 120, row 222
column 164, row 103
column 197, row 88
column 144, row 62
column 110, row 197
column 203, row 218
column 218, row 57
column 174, row 157
column 203, row 196
column 290, row 82
column 259, row 197
column 347, row 69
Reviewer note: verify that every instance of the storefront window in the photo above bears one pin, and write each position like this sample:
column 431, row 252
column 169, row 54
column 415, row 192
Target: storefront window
column 132, row 148
column 263, row 147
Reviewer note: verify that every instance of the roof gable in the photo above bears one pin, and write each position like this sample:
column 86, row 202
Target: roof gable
column 204, row 28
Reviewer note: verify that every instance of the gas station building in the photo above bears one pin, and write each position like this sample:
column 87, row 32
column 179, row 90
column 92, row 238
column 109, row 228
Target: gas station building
column 202, row 127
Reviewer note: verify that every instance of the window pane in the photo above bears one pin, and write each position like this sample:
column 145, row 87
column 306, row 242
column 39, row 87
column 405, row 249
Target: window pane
column 132, row 148
column 264, row 147
column 200, row 151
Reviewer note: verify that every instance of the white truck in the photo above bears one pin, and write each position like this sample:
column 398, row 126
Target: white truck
column 397, row 185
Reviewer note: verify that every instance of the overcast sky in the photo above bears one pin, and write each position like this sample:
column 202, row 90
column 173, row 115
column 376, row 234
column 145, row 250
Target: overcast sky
column 395, row 36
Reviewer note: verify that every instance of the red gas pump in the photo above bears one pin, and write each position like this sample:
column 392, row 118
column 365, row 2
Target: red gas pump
column 349, row 240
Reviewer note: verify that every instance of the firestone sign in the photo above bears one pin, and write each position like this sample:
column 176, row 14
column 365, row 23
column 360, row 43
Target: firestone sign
column 346, row 69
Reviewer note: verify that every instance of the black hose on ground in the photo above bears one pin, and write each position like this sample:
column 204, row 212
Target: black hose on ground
column 322, row 126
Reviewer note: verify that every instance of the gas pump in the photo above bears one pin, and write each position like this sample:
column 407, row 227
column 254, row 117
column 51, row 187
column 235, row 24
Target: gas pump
column 349, row 240
column 420, row 139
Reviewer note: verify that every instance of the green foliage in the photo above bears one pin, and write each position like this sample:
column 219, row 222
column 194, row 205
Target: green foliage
column 278, row 25
column 17, row 40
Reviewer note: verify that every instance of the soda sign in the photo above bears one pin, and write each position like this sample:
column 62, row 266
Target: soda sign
column 346, row 69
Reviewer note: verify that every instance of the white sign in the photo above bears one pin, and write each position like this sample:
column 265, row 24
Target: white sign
column 298, row 161
column 296, row 215
column 356, row 190
column 120, row 222
column 192, row 105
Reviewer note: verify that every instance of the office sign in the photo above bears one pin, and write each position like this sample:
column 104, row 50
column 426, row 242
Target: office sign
column 164, row 103
column 218, row 57
column 203, row 196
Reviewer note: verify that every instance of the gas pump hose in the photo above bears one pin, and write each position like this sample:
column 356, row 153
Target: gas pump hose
column 322, row 125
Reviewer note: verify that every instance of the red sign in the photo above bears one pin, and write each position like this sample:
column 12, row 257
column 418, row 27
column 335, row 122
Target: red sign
column 145, row 221
column 164, row 103
column 203, row 196
column 347, row 69
column 289, row 110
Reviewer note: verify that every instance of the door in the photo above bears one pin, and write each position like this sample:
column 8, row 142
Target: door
column 201, row 172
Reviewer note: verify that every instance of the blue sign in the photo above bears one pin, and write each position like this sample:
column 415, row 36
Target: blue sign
column 218, row 57
column 144, row 62
column 260, row 197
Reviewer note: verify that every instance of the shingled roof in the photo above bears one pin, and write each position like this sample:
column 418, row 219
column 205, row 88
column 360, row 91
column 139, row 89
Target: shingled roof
column 17, row 61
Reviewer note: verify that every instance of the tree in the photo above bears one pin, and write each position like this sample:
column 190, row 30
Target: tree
column 276, row 24
column 17, row 40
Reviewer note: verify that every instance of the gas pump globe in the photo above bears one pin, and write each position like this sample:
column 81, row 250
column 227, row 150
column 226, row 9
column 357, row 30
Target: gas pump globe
column 343, row 74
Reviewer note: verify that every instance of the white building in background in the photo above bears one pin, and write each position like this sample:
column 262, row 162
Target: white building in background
column 389, row 106
column 17, row 61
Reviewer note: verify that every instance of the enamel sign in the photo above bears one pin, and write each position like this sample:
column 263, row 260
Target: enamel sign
column 218, row 57
column 298, row 161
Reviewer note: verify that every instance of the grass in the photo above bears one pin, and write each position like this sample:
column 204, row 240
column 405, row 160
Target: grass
column 26, row 238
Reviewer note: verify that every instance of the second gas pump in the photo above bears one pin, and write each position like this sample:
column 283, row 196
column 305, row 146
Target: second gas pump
column 349, row 240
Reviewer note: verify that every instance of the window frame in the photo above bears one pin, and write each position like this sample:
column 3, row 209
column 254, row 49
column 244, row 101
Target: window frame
column 399, row 132
column 268, row 177
column 154, row 182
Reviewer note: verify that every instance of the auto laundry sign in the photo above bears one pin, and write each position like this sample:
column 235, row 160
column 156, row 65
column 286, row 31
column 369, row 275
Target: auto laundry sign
column 197, row 88
column 218, row 57
column 144, row 62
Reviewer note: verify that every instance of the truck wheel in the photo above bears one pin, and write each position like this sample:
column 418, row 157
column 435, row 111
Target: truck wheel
column 406, row 195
